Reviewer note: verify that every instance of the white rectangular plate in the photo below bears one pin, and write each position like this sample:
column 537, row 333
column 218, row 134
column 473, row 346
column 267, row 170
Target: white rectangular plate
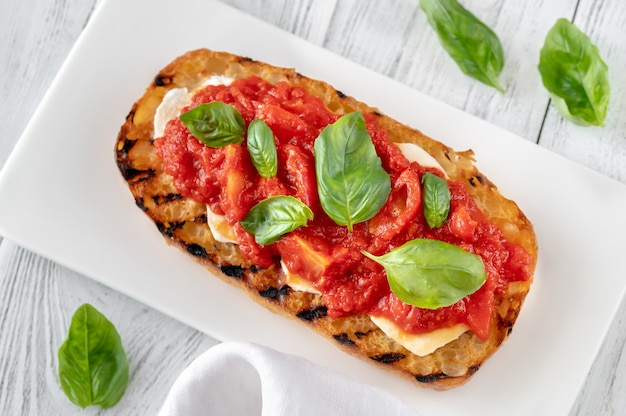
column 62, row 196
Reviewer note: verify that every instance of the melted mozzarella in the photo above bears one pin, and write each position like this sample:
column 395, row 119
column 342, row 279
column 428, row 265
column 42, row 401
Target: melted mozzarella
column 415, row 153
column 420, row 344
column 296, row 282
column 222, row 231
column 423, row 344
column 171, row 105
column 217, row 80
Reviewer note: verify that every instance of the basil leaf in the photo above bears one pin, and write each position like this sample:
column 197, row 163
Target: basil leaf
column 471, row 43
column 575, row 75
column 215, row 124
column 262, row 148
column 93, row 368
column 431, row 274
column 274, row 217
column 435, row 199
column 351, row 182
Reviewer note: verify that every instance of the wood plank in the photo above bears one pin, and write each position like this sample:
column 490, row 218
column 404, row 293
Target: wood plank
column 38, row 298
column 420, row 61
column 308, row 19
column 39, row 35
column 604, row 390
column 600, row 148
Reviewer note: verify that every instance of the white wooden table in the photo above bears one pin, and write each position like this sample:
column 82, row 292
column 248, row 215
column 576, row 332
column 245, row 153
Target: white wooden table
column 38, row 297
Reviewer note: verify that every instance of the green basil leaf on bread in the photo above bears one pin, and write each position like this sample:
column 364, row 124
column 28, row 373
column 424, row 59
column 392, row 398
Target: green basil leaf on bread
column 274, row 217
column 351, row 182
column 431, row 274
column 215, row 124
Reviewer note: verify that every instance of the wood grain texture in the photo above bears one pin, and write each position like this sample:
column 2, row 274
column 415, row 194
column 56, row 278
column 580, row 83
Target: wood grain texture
column 601, row 149
column 38, row 297
column 37, row 35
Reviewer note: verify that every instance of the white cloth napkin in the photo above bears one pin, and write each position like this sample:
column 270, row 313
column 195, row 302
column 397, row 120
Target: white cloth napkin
column 239, row 378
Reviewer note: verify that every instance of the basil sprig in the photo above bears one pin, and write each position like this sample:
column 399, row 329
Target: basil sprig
column 215, row 124
column 274, row 217
column 471, row 43
column 262, row 148
column 351, row 182
column 435, row 199
column 93, row 368
column 431, row 274
column 575, row 75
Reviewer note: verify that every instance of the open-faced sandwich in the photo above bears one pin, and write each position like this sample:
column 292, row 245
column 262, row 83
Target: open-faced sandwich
column 388, row 242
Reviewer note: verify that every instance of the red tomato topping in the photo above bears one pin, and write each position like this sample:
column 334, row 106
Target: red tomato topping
column 322, row 252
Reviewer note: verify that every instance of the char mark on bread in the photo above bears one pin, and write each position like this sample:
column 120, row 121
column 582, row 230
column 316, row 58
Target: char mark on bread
column 388, row 358
column 231, row 270
column 168, row 228
column 317, row 312
column 274, row 293
column 343, row 339
column 162, row 80
column 135, row 175
column 197, row 250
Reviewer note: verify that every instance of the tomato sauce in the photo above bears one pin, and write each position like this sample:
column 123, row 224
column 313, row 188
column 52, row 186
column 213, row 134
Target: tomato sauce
column 326, row 254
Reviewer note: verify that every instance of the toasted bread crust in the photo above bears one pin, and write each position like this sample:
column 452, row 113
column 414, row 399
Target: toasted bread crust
column 183, row 224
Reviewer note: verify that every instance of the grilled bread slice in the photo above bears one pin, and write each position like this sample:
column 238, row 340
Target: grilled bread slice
column 183, row 223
